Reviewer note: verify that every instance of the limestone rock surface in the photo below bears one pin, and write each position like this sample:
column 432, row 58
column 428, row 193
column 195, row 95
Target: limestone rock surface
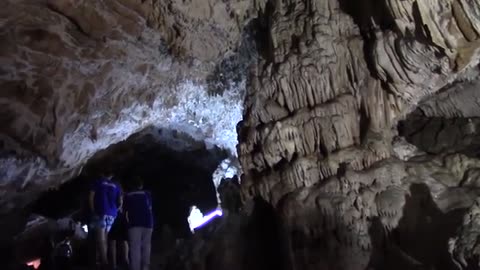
column 321, row 139
column 78, row 76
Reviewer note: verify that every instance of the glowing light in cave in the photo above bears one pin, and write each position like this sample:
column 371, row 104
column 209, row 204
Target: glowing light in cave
column 85, row 228
column 35, row 263
column 197, row 219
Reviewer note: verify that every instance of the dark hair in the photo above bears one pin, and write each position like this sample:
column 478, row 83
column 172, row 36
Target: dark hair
column 107, row 171
column 137, row 182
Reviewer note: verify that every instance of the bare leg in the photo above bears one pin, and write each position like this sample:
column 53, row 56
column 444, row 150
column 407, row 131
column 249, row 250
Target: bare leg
column 102, row 245
column 124, row 252
column 113, row 253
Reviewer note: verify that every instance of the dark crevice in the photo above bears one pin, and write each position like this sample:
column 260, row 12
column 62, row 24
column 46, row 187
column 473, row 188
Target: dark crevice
column 364, row 123
column 363, row 14
column 432, row 229
column 268, row 242
column 234, row 69
column 263, row 38
column 437, row 135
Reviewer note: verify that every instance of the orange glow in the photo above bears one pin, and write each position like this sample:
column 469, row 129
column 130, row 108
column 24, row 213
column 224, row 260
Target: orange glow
column 35, row 263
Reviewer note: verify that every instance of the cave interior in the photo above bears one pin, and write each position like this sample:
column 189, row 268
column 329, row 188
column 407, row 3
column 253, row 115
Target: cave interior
column 331, row 134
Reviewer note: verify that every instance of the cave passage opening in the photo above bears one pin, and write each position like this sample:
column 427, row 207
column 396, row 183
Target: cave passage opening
column 179, row 176
column 178, row 179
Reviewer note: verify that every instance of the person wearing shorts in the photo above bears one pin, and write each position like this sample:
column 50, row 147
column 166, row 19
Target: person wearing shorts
column 104, row 201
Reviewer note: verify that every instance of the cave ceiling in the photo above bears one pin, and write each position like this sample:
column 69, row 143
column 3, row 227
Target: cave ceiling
column 347, row 106
column 78, row 76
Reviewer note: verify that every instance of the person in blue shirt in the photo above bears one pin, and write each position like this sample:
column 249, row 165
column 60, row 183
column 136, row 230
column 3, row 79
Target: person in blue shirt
column 138, row 211
column 104, row 201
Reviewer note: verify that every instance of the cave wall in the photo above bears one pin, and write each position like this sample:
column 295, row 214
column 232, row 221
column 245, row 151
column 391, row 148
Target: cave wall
column 319, row 138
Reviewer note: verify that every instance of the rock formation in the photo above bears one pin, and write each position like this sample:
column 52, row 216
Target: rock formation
column 359, row 124
column 319, row 139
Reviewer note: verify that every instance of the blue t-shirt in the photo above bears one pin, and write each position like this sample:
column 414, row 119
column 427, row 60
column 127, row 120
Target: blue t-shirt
column 138, row 206
column 107, row 195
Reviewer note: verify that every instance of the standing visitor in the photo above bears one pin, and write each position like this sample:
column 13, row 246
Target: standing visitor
column 138, row 211
column 118, row 241
column 104, row 201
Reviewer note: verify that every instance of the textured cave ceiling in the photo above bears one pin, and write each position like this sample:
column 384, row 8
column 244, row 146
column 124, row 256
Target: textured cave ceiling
column 78, row 76
column 352, row 110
